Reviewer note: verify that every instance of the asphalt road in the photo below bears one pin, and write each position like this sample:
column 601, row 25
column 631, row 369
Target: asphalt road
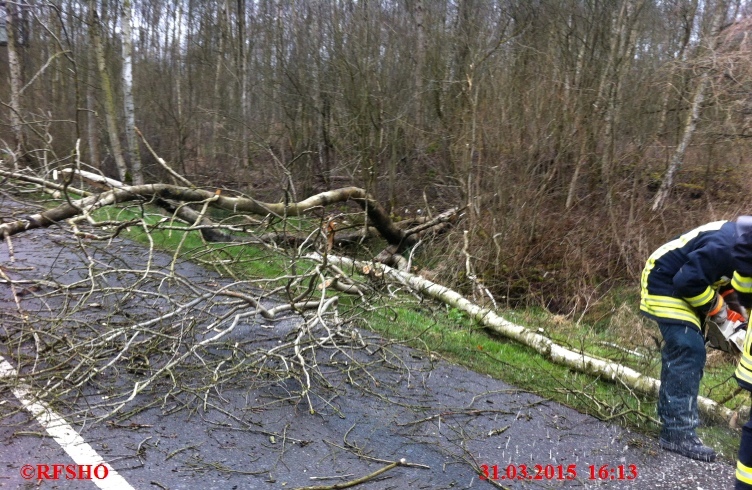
column 443, row 420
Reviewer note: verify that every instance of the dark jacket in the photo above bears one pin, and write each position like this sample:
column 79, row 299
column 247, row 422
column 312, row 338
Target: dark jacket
column 682, row 278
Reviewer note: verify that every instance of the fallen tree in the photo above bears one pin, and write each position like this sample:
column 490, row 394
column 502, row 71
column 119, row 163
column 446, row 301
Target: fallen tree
column 377, row 216
column 578, row 361
column 396, row 235
column 137, row 324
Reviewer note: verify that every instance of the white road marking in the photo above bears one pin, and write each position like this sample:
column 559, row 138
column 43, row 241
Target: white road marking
column 65, row 435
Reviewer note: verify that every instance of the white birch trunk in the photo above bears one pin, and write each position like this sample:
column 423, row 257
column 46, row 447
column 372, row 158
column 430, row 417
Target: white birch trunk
column 92, row 127
column 694, row 114
column 130, row 111
column 578, row 361
column 109, row 99
column 14, row 66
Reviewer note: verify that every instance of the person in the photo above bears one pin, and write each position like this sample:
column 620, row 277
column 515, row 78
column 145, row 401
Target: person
column 744, row 460
column 688, row 286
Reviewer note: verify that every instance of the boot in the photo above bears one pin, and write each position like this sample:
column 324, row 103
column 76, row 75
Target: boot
column 690, row 446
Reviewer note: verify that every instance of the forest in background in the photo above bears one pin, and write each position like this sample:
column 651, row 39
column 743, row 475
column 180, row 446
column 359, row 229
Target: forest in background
column 578, row 135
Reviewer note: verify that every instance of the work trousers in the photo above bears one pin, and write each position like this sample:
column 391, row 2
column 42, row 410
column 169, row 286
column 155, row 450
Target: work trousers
column 744, row 461
column 682, row 364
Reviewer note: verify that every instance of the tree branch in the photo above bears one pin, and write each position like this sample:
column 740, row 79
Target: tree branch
column 376, row 214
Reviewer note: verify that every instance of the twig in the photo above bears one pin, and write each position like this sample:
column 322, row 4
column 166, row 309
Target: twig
column 42, row 182
column 461, row 412
column 730, row 396
column 358, row 481
column 11, row 255
column 178, row 451
column 340, row 477
column 358, row 452
column 13, row 292
column 161, row 161
column 140, row 450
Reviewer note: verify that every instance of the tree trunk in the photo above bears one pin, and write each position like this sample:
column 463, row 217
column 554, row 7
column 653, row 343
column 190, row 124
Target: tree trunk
column 694, row 114
column 420, row 62
column 243, row 86
column 14, row 65
column 130, row 111
column 377, row 216
column 92, row 125
column 578, row 361
column 176, row 54
column 622, row 47
column 687, row 28
column 222, row 13
column 109, row 98
column 319, row 101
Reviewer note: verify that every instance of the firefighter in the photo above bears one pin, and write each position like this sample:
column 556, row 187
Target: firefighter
column 744, row 461
column 688, row 287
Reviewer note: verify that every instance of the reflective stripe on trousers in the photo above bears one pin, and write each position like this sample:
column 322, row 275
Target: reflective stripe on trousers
column 744, row 461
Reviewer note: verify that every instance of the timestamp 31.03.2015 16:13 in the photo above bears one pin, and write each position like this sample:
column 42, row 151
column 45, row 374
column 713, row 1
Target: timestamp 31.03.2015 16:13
column 605, row 472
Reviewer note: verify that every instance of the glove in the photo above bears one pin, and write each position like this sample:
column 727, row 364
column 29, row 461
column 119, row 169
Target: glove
column 718, row 313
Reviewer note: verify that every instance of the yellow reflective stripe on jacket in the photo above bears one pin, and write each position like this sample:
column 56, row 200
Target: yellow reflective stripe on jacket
column 744, row 368
column 743, row 374
column 741, row 283
column 743, row 473
column 668, row 307
column 673, row 245
column 702, row 298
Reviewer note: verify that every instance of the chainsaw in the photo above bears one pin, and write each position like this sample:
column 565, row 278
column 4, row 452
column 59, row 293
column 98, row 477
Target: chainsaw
column 728, row 337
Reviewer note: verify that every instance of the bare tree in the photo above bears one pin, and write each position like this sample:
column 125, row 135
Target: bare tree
column 130, row 116
column 687, row 15
column 92, row 123
column 420, row 60
column 222, row 21
column 693, row 115
column 242, row 75
column 623, row 43
column 110, row 111
column 14, row 65
column 535, row 113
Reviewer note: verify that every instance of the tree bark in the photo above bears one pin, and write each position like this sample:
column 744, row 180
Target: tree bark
column 92, row 126
column 14, row 66
column 560, row 355
column 694, row 114
column 377, row 216
column 130, row 111
column 107, row 90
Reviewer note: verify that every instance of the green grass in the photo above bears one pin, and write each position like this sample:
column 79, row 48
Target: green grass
column 483, row 351
column 226, row 258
